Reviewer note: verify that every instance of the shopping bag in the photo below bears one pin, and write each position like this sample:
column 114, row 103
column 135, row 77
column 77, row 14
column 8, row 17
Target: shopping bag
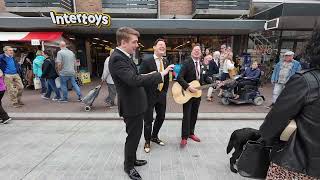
column 37, row 83
column 58, row 83
column 91, row 96
column 254, row 160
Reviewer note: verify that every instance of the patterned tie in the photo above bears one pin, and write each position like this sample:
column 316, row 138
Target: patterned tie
column 160, row 86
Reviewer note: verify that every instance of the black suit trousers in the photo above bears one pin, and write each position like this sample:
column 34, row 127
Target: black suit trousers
column 190, row 116
column 134, row 127
column 159, row 105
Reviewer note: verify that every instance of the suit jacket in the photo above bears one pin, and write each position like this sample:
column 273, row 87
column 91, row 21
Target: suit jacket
column 188, row 74
column 148, row 65
column 213, row 68
column 132, row 99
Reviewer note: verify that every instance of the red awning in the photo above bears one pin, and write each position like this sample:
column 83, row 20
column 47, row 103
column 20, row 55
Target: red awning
column 28, row 36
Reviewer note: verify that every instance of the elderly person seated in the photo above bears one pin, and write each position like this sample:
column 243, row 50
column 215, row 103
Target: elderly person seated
column 250, row 77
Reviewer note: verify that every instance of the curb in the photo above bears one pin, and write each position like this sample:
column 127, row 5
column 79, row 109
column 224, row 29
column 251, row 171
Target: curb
column 115, row 116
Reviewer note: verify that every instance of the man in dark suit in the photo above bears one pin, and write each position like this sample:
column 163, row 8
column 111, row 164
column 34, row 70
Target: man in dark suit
column 157, row 95
column 132, row 99
column 191, row 70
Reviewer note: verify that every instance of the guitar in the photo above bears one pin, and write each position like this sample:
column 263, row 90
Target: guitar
column 182, row 96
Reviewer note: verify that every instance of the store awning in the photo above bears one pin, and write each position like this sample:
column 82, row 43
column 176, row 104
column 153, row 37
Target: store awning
column 144, row 26
column 28, row 36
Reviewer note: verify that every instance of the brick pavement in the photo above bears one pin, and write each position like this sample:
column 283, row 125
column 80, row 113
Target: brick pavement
column 34, row 103
column 93, row 150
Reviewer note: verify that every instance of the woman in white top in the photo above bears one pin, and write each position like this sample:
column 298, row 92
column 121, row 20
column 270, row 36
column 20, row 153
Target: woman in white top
column 227, row 65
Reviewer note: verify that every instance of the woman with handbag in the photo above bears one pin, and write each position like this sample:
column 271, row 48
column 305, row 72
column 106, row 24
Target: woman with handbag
column 4, row 118
column 299, row 157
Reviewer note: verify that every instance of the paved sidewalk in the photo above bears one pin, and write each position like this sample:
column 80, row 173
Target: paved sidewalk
column 35, row 104
column 93, row 150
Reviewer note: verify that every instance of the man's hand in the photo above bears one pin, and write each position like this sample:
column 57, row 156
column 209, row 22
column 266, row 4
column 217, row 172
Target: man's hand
column 169, row 68
column 192, row 89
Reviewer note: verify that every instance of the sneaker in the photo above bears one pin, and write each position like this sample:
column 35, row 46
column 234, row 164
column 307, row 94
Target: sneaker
column 79, row 99
column 6, row 121
column 62, row 101
column 44, row 97
column 55, row 99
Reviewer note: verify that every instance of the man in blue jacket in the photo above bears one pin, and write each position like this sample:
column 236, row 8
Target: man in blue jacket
column 282, row 72
column 11, row 70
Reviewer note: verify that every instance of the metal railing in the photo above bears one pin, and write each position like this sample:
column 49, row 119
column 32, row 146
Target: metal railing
column 130, row 4
column 65, row 4
column 222, row 4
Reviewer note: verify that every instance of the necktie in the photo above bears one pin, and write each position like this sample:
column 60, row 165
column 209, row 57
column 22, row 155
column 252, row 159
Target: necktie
column 160, row 86
column 197, row 70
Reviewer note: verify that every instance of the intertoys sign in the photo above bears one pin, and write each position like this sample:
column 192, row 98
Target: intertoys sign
column 80, row 19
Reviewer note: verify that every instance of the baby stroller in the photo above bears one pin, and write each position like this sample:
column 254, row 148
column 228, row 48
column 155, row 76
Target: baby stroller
column 90, row 97
column 247, row 94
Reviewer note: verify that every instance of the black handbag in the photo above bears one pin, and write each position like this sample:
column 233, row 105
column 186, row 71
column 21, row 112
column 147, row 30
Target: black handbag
column 254, row 160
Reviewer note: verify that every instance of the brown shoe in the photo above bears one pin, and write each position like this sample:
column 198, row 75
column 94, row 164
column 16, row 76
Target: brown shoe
column 147, row 147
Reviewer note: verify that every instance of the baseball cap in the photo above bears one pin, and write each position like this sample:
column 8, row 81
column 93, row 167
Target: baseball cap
column 289, row 53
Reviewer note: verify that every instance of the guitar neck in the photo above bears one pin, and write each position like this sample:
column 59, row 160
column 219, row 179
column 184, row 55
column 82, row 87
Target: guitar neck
column 206, row 86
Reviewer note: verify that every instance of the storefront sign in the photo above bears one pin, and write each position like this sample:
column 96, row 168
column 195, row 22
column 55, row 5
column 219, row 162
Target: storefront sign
column 35, row 42
column 80, row 19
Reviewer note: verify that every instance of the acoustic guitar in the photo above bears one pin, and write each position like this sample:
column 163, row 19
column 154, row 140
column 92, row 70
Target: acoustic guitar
column 182, row 96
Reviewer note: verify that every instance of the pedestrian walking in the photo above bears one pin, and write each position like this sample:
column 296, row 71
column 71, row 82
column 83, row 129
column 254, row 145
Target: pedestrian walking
column 106, row 77
column 37, row 70
column 11, row 70
column 283, row 70
column 66, row 61
column 50, row 74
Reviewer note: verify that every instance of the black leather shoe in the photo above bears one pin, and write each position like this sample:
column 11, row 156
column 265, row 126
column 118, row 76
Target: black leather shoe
column 133, row 174
column 140, row 162
column 157, row 141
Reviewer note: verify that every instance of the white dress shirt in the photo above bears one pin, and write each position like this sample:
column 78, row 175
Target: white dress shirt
column 127, row 54
column 158, row 62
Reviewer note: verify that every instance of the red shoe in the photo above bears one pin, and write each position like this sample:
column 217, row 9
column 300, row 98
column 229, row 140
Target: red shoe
column 195, row 138
column 183, row 143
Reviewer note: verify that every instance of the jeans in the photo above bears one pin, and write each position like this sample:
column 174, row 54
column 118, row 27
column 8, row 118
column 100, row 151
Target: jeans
column 277, row 91
column 64, row 80
column 43, row 85
column 51, row 86
column 112, row 94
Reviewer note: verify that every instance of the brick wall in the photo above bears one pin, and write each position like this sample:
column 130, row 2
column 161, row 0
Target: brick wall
column 177, row 7
column 88, row 5
column 2, row 6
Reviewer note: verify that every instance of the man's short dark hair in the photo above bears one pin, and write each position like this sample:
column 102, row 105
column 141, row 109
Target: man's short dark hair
column 158, row 40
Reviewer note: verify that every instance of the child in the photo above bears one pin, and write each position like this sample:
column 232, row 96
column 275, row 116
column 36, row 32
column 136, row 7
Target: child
column 3, row 114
